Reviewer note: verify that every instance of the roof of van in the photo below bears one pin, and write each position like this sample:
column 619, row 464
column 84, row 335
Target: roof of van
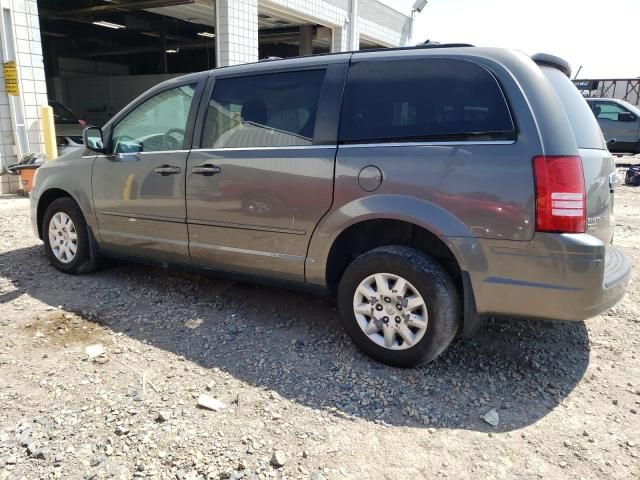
column 342, row 57
column 503, row 56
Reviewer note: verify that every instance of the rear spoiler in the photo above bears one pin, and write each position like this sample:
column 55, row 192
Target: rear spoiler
column 546, row 60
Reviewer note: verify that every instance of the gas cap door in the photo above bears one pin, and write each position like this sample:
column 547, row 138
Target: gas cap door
column 370, row 178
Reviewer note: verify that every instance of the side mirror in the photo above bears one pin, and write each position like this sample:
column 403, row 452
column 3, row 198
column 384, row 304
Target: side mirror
column 626, row 117
column 93, row 140
column 611, row 142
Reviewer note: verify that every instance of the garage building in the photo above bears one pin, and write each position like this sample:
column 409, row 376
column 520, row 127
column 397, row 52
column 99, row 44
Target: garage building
column 95, row 56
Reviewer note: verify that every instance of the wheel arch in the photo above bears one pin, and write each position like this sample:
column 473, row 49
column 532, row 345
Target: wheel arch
column 47, row 198
column 368, row 234
column 398, row 213
column 413, row 222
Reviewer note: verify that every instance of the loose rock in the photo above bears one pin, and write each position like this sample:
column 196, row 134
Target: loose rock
column 492, row 417
column 210, row 403
column 278, row 459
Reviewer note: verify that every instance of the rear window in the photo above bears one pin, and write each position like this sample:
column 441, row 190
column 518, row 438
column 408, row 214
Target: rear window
column 583, row 123
column 425, row 99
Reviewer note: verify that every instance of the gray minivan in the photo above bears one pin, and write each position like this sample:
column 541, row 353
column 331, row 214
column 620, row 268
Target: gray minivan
column 429, row 187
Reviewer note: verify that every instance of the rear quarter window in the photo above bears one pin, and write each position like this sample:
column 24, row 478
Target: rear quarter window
column 583, row 123
column 423, row 99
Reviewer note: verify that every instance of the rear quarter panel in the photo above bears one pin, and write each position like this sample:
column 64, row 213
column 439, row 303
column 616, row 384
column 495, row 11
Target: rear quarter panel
column 455, row 190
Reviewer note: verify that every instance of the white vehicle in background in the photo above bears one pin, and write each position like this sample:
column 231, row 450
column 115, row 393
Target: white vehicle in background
column 69, row 128
column 619, row 121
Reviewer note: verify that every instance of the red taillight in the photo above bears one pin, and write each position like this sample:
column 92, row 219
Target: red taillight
column 560, row 195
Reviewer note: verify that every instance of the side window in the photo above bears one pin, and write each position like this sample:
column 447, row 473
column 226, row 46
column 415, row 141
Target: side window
column 272, row 110
column 608, row 111
column 426, row 99
column 158, row 124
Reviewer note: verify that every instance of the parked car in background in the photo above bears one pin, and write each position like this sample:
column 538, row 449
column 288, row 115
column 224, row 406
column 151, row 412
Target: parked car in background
column 69, row 128
column 618, row 120
column 428, row 186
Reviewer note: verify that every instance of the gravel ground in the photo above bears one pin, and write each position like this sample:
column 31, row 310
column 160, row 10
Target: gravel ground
column 300, row 400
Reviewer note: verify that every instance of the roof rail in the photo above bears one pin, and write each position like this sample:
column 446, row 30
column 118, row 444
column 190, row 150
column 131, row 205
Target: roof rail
column 546, row 60
column 426, row 45
column 430, row 44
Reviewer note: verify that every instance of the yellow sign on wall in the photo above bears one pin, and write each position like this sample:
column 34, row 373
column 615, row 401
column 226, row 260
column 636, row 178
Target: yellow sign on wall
column 10, row 72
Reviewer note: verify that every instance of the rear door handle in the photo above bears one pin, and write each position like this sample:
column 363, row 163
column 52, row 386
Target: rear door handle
column 207, row 170
column 165, row 170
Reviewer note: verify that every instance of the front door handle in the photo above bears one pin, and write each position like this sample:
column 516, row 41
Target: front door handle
column 207, row 170
column 165, row 170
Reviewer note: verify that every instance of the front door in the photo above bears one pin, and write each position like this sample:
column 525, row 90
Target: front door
column 138, row 189
column 619, row 123
column 260, row 184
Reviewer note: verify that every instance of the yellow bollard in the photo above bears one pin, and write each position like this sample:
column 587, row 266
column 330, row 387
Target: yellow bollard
column 49, row 133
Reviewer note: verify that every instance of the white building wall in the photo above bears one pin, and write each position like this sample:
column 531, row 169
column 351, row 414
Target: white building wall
column 237, row 35
column 378, row 33
column 322, row 12
column 236, row 31
column 20, row 41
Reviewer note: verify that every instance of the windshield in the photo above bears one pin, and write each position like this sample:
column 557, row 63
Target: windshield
column 62, row 114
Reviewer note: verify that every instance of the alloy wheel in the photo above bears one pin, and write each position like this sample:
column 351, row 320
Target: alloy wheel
column 390, row 311
column 63, row 237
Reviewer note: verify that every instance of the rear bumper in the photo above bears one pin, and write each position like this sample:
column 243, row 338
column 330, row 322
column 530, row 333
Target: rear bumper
column 555, row 276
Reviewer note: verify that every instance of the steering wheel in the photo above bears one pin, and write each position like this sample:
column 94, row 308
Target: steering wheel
column 170, row 142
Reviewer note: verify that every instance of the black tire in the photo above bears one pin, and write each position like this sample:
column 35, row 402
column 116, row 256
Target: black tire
column 81, row 262
column 432, row 282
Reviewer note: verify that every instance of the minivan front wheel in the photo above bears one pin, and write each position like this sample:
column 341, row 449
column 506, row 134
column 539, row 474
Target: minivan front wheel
column 66, row 237
column 399, row 305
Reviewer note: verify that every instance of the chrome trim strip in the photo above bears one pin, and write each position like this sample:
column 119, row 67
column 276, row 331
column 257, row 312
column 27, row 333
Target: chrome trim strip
column 158, row 218
column 433, row 144
column 290, row 147
column 207, row 223
column 245, row 251
column 159, row 151
column 125, row 154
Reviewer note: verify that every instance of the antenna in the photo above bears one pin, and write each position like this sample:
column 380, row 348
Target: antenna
column 578, row 72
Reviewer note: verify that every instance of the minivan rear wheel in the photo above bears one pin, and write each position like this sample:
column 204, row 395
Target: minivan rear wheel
column 399, row 305
column 66, row 237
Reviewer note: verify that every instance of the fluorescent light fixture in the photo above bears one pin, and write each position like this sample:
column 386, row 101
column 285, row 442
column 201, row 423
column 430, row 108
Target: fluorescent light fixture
column 171, row 50
column 54, row 34
column 115, row 26
column 207, row 34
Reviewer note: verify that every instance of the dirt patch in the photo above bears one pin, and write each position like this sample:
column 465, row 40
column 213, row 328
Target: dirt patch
column 59, row 328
